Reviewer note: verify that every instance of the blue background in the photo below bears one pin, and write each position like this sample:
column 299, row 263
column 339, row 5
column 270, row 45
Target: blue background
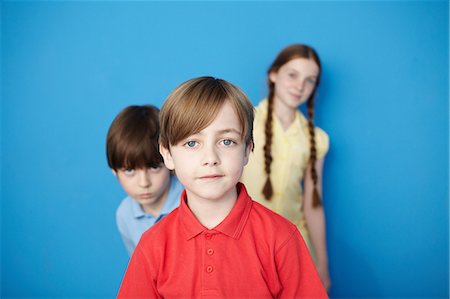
column 69, row 67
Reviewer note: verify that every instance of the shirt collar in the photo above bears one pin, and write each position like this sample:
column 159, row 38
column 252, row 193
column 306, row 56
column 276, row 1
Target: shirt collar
column 231, row 226
column 136, row 208
column 299, row 123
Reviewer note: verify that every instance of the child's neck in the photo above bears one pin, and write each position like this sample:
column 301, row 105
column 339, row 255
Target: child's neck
column 211, row 213
column 155, row 207
column 286, row 115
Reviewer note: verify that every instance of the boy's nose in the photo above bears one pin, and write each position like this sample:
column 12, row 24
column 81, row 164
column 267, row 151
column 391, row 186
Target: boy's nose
column 144, row 178
column 211, row 156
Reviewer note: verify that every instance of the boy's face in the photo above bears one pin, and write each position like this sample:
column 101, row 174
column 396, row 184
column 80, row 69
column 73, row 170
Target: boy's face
column 148, row 186
column 209, row 164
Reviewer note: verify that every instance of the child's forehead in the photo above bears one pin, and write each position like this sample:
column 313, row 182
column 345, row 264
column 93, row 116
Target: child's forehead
column 225, row 120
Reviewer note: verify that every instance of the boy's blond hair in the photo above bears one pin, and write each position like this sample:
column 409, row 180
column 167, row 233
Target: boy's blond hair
column 193, row 105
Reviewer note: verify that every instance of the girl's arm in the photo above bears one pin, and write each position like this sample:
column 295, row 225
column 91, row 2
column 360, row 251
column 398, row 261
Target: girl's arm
column 315, row 220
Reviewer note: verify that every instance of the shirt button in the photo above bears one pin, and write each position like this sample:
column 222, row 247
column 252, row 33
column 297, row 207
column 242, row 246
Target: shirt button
column 208, row 236
column 210, row 251
column 209, row 269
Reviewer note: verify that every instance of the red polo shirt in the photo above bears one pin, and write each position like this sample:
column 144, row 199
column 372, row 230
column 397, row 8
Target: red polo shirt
column 252, row 253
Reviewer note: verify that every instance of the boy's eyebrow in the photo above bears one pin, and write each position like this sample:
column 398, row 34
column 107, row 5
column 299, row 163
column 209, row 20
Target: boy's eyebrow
column 230, row 130
column 224, row 131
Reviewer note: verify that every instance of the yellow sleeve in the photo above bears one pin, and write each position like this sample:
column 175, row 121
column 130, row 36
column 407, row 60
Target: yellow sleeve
column 322, row 143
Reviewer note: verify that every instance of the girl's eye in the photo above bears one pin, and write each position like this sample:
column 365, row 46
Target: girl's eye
column 191, row 144
column 292, row 75
column 228, row 142
column 311, row 81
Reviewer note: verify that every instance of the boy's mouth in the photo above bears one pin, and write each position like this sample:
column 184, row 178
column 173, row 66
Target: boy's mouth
column 212, row 176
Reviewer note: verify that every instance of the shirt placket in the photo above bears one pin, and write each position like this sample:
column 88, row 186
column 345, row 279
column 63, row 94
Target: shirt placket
column 210, row 269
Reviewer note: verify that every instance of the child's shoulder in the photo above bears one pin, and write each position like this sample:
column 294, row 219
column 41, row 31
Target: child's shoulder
column 125, row 207
column 270, row 230
column 319, row 132
column 271, row 221
column 162, row 229
column 271, row 216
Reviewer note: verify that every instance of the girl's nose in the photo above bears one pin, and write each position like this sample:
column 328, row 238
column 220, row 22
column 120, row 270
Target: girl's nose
column 300, row 85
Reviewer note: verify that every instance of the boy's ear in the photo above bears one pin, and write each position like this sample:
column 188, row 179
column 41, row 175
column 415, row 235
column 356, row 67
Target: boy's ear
column 168, row 160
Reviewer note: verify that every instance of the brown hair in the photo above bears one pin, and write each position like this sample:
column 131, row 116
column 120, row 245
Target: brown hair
column 287, row 54
column 132, row 140
column 194, row 104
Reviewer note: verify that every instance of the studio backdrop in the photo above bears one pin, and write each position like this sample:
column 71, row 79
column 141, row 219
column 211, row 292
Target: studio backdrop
column 69, row 67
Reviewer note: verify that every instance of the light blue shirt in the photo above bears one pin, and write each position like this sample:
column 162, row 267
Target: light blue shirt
column 132, row 221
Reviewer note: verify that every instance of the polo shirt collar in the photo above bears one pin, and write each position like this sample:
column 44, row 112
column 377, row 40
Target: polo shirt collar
column 136, row 209
column 235, row 221
column 231, row 226
column 299, row 122
column 297, row 125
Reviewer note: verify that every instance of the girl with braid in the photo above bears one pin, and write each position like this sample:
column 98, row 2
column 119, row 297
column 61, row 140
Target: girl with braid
column 285, row 169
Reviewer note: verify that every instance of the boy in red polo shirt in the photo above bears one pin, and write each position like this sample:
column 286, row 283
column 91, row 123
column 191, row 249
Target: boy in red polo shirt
column 219, row 243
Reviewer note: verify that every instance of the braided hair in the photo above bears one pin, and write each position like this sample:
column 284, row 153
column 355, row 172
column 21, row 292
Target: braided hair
column 287, row 54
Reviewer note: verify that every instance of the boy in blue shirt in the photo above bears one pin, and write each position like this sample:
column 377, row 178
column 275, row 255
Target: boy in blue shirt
column 132, row 151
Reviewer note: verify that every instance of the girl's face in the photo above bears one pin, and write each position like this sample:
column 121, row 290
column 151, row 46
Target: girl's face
column 294, row 82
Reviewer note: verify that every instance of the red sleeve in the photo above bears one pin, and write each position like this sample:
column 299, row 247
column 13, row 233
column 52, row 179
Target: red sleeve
column 138, row 282
column 296, row 270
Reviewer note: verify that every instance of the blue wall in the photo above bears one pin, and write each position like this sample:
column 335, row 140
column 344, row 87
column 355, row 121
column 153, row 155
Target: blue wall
column 69, row 67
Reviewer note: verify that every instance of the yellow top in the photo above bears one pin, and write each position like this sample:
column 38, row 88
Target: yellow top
column 290, row 156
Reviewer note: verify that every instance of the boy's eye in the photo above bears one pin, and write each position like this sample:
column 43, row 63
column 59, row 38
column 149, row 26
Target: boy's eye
column 128, row 171
column 228, row 142
column 191, row 144
column 156, row 168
